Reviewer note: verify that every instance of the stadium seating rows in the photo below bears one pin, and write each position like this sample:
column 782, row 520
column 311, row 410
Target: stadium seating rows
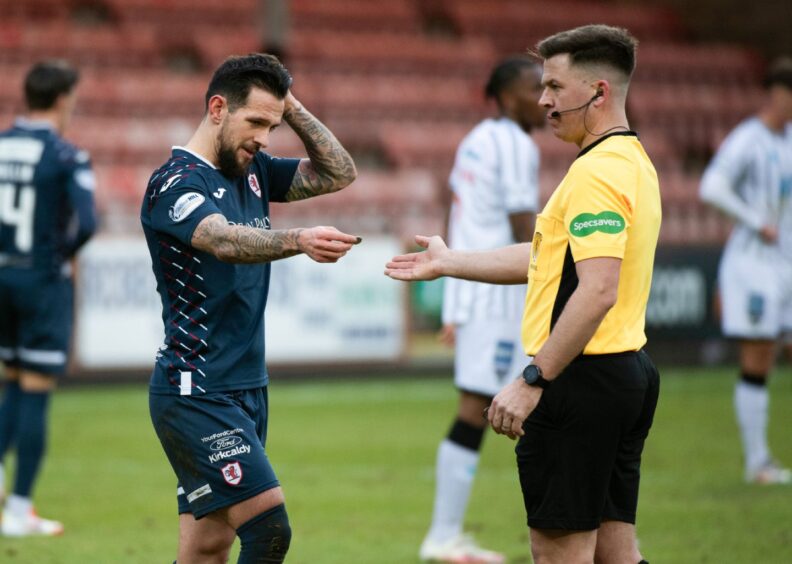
column 399, row 82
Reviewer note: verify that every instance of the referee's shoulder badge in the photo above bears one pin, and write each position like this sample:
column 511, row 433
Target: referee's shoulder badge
column 585, row 224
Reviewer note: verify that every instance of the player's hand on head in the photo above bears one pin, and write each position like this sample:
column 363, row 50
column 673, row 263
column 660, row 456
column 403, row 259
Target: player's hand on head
column 423, row 265
column 290, row 103
column 325, row 244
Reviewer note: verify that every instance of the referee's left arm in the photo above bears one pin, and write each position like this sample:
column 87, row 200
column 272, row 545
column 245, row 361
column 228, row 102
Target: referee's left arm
column 595, row 295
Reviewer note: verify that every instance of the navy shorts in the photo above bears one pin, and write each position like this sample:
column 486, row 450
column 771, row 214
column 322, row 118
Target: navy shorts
column 580, row 457
column 215, row 444
column 36, row 312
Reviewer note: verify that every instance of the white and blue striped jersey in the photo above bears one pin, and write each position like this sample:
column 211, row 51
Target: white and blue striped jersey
column 212, row 311
column 750, row 179
column 495, row 174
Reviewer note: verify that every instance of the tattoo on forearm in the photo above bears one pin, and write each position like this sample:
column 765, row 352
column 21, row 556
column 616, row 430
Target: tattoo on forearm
column 330, row 167
column 241, row 244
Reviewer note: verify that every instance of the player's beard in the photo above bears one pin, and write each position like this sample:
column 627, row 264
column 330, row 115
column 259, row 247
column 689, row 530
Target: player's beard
column 227, row 159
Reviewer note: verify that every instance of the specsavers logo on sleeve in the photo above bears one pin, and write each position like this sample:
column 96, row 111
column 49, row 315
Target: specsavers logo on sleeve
column 185, row 205
column 587, row 223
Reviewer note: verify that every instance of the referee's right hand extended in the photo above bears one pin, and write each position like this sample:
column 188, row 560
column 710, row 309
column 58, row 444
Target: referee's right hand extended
column 325, row 244
column 423, row 265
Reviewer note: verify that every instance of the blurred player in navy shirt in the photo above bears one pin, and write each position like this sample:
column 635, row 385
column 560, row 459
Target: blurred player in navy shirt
column 206, row 220
column 46, row 215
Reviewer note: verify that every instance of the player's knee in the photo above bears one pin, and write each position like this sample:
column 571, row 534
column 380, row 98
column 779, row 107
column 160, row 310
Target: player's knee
column 266, row 537
column 212, row 547
column 466, row 435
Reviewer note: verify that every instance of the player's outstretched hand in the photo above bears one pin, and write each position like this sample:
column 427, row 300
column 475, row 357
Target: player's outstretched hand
column 325, row 244
column 423, row 265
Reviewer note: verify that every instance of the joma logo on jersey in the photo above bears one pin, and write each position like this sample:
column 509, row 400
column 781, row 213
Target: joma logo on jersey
column 170, row 182
column 587, row 223
column 241, row 449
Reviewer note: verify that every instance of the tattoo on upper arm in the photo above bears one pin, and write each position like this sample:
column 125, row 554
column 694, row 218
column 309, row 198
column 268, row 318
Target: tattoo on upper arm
column 329, row 167
column 241, row 244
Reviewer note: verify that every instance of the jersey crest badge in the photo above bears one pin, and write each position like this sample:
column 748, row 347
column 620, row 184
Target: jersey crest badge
column 254, row 184
column 232, row 473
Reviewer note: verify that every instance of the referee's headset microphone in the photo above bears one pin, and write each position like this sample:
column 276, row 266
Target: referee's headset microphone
column 557, row 114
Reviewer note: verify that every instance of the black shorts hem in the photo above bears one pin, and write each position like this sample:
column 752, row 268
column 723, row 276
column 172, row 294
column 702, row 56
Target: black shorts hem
column 620, row 516
column 229, row 501
column 564, row 524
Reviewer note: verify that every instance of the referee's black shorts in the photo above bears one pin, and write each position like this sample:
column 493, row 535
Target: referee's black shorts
column 580, row 457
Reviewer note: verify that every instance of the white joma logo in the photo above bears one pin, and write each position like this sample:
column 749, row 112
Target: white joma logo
column 219, row 192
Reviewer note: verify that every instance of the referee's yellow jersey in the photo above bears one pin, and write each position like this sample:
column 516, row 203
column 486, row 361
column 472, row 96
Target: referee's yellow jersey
column 608, row 205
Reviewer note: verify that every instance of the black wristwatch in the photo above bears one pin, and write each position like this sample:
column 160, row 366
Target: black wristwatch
column 533, row 376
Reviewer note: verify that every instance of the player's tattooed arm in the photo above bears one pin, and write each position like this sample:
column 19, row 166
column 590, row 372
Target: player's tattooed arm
column 244, row 245
column 329, row 167
column 241, row 244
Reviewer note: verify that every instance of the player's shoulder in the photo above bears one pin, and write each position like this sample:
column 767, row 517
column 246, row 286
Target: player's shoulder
column 180, row 171
column 67, row 153
column 745, row 134
column 264, row 162
column 479, row 141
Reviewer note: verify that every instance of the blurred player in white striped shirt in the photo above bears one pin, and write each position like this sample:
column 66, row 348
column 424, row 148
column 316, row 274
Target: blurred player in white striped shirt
column 750, row 179
column 495, row 184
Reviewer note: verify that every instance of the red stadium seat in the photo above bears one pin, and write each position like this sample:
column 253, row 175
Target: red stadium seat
column 394, row 15
column 392, row 53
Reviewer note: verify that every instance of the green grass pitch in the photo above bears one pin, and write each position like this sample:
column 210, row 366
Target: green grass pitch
column 356, row 461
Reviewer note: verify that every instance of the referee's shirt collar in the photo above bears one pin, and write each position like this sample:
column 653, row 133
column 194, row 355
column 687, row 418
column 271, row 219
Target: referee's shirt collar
column 601, row 139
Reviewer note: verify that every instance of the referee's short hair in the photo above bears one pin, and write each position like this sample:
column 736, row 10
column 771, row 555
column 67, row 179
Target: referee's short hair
column 593, row 44
column 46, row 81
column 779, row 73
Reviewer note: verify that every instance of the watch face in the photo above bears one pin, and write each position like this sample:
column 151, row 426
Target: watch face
column 530, row 374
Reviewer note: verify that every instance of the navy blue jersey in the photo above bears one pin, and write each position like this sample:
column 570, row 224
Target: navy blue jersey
column 213, row 311
column 46, row 198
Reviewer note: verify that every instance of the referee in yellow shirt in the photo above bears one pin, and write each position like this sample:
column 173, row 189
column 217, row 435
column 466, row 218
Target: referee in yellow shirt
column 584, row 405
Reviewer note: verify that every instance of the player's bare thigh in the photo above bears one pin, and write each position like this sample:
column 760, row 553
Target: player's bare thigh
column 757, row 356
column 209, row 540
column 471, row 408
column 32, row 381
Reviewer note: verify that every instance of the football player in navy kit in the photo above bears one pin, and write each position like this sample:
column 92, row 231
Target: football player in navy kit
column 206, row 220
column 46, row 215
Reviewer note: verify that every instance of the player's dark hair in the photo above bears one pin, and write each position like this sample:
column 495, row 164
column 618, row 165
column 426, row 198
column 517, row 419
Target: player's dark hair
column 506, row 72
column 46, row 81
column 238, row 74
column 598, row 44
column 779, row 73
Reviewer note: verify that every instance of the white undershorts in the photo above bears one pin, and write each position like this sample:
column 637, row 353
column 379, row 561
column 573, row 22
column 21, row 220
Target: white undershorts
column 488, row 355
